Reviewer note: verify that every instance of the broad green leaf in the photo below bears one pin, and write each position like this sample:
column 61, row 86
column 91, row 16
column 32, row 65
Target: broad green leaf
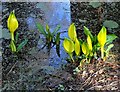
column 95, row 3
column 41, row 29
column 110, row 24
column 109, row 47
column 110, row 38
column 72, row 32
column 102, row 36
column 68, row 45
column 87, row 32
column 85, row 49
column 12, row 45
column 89, row 43
column 21, row 45
column 77, row 47
column 56, row 30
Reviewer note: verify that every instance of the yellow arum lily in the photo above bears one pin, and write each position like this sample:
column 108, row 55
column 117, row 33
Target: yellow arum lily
column 69, row 47
column 102, row 40
column 85, row 49
column 72, row 32
column 12, row 24
column 89, row 43
column 77, row 47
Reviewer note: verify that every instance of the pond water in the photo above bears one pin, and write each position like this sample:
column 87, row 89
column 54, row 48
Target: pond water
column 53, row 16
column 39, row 59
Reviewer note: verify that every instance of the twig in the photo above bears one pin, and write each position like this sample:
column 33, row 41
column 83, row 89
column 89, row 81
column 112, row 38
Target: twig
column 11, row 68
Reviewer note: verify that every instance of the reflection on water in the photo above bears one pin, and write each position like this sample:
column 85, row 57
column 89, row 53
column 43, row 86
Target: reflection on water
column 53, row 16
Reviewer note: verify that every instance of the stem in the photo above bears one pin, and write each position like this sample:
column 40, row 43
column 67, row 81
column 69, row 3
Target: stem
column 86, row 58
column 102, row 52
column 89, row 60
column 71, row 57
column 12, row 36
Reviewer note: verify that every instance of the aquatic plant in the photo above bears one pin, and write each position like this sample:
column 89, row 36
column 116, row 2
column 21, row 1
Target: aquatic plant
column 52, row 38
column 72, row 44
column 86, row 50
column 69, row 47
column 102, row 40
column 12, row 24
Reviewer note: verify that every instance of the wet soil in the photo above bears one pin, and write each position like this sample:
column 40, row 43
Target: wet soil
column 24, row 71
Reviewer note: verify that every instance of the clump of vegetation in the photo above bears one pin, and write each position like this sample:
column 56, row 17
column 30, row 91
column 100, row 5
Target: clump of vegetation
column 83, row 51
column 52, row 38
column 12, row 24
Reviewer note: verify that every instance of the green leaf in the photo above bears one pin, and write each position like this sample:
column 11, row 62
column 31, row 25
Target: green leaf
column 95, row 3
column 58, row 44
column 72, row 32
column 58, row 49
column 57, row 40
column 102, row 36
column 87, row 32
column 68, row 45
column 94, row 40
column 56, row 30
column 41, row 29
column 96, row 47
column 77, row 47
column 110, row 24
column 80, row 41
column 49, row 35
column 12, row 45
column 48, row 30
column 22, row 44
column 110, row 38
column 109, row 47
